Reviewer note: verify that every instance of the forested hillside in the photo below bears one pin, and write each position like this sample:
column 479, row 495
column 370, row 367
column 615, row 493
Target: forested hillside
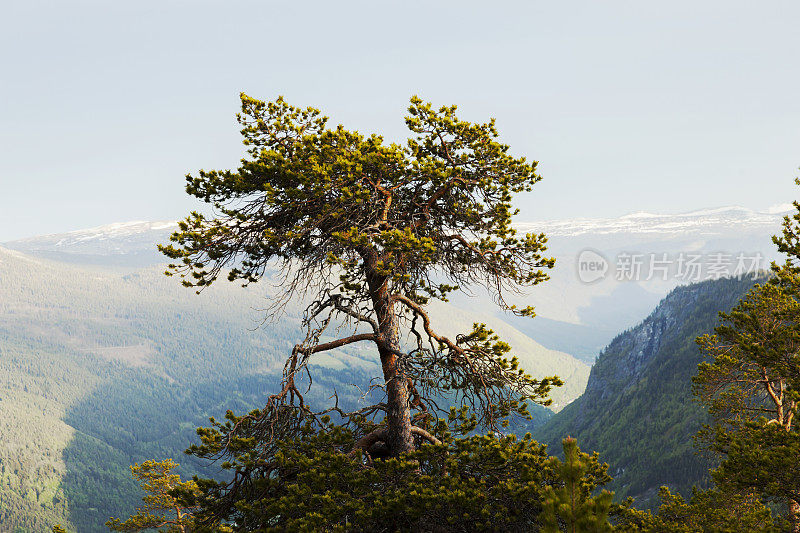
column 100, row 369
column 638, row 411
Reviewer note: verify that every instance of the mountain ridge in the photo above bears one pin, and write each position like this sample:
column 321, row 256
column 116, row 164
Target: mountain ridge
column 637, row 222
column 655, row 223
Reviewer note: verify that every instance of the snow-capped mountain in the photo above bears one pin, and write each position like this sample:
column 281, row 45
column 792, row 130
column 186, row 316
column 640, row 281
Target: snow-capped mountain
column 702, row 222
column 121, row 244
column 118, row 238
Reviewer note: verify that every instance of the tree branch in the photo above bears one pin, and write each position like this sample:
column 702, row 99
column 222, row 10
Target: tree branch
column 336, row 344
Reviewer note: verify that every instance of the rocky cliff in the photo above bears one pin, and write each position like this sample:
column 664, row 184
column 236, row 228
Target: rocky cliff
column 638, row 410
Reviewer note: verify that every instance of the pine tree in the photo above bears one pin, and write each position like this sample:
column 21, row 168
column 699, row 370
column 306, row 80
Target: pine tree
column 747, row 383
column 570, row 506
column 370, row 232
column 161, row 509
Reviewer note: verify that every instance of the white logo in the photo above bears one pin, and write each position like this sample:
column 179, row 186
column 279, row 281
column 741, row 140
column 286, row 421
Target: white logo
column 591, row 266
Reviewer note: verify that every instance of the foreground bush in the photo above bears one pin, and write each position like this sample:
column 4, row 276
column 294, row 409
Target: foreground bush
column 323, row 482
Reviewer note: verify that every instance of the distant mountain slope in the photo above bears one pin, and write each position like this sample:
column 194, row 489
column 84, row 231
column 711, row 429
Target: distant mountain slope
column 127, row 244
column 102, row 368
column 637, row 410
column 580, row 318
column 535, row 358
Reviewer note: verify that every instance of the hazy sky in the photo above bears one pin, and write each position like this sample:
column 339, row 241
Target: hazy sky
column 628, row 105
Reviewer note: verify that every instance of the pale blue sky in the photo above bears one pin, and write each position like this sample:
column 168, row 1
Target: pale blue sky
column 628, row 105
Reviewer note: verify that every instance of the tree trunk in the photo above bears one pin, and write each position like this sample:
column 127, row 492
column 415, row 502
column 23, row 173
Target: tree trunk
column 399, row 412
column 794, row 516
column 399, row 415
